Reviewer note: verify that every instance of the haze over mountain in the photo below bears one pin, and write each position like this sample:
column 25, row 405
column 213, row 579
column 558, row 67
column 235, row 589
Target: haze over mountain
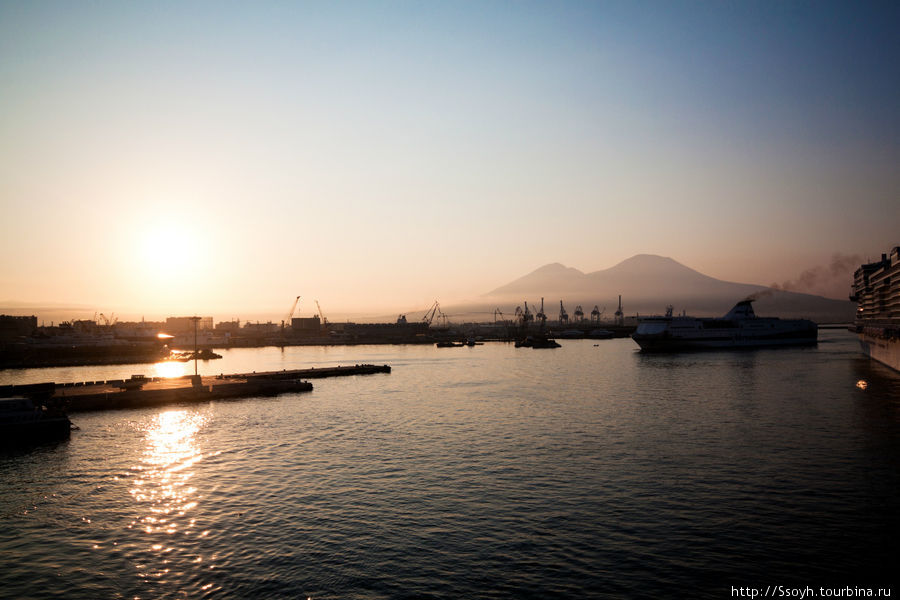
column 649, row 282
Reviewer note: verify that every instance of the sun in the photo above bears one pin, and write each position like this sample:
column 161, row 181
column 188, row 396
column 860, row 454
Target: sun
column 168, row 252
column 167, row 262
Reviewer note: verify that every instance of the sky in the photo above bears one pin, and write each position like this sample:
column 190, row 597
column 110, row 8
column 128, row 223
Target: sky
column 222, row 158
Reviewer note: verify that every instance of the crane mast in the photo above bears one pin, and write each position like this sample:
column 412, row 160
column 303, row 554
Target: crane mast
column 321, row 314
column 290, row 314
column 432, row 310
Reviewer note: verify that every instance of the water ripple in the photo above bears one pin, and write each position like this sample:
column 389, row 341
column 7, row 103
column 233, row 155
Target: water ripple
column 499, row 473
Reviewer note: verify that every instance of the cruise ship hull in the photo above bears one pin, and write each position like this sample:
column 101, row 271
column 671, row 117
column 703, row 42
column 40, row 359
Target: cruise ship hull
column 884, row 350
column 876, row 290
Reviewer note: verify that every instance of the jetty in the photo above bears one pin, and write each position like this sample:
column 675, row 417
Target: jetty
column 314, row 373
column 142, row 392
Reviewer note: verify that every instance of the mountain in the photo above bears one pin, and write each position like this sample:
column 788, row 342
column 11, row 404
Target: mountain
column 648, row 283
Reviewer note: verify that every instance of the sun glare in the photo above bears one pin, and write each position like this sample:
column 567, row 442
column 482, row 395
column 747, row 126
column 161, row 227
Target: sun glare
column 168, row 253
column 166, row 263
column 163, row 249
column 170, row 369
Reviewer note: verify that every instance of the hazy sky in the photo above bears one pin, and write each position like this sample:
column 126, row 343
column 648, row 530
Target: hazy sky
column 224, row 157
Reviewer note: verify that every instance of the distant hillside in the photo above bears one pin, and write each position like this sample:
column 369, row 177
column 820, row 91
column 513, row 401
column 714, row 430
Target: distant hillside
column 648, row 283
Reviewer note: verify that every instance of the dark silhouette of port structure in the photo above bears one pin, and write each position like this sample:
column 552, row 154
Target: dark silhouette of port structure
column 141, row 392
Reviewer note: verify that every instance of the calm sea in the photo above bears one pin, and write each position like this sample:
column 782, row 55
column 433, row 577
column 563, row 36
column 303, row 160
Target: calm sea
column 589, row 471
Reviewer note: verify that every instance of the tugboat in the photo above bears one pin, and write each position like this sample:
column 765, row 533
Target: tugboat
column 539, row 340
column 740, row 328
column 189, row 355
column 449, row 344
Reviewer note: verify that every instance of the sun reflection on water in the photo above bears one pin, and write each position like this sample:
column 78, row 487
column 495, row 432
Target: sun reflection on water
column 162, row 479
column 170, row 368
column 161, row 486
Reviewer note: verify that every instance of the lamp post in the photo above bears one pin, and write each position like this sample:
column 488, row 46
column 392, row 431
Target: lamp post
column 195, row 320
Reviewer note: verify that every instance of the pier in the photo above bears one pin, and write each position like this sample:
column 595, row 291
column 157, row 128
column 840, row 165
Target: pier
column 143, row 392
column 314, row 373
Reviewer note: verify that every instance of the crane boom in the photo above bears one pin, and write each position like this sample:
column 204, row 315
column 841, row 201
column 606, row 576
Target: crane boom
column 429, row 314
column 291, row 313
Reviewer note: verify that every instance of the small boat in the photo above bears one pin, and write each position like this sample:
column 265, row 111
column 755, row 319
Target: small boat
column 189, row 355
column 536, row 342
column 22, row 423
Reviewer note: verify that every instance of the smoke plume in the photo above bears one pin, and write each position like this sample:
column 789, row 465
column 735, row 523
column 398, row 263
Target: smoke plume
column 833, row 280
column 760, row 294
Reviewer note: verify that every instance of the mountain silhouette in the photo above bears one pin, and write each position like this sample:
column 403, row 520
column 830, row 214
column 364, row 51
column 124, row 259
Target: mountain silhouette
column 648, row 283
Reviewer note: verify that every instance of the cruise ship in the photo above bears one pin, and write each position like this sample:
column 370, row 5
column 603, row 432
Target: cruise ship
column 740, row 328
column 876, row 290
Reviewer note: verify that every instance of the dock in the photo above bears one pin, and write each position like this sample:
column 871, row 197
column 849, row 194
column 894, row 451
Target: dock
column 319, row 373
column 143, row 392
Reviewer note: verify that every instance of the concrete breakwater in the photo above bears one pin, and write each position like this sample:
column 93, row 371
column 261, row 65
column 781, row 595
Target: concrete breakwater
column 141, row 392
column 173, row 391
column 314, row 373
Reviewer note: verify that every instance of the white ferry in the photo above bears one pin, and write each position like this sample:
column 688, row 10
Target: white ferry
column 740, row 328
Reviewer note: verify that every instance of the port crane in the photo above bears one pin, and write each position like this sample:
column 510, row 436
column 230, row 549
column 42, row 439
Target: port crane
column 525, row 316
column 579, row 314
column 290, row 314
column 541, row 316
column 434, row 309
column 595, row 314
column 563, row 315
column 321, row 315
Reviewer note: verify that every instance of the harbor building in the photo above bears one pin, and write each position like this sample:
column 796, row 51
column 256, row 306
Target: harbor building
column 176, row 325
column 12, row 327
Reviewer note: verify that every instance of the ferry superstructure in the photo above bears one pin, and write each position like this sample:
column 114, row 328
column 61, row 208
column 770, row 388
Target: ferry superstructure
column 876, row 290
column 740, row 328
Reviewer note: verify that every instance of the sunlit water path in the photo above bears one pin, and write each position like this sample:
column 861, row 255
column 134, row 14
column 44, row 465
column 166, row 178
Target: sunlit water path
column 587, row 471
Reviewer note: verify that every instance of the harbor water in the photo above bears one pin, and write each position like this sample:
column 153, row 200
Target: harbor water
column 589, row 471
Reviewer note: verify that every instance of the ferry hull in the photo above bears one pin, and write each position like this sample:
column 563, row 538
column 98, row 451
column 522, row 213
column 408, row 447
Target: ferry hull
column 884, row 350
column 738, row 329
column 671, row 344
